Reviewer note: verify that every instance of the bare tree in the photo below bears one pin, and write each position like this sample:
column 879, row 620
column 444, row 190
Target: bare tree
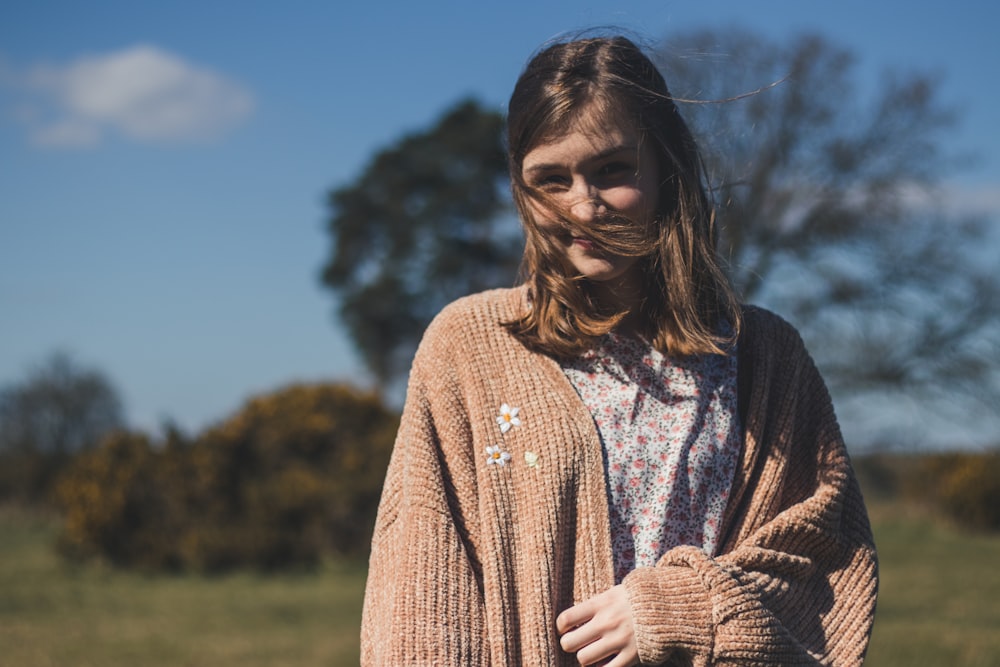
column 831, row 211
column 58, row 409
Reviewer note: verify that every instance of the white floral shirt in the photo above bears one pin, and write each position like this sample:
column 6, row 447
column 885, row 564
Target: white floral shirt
column 671, row 436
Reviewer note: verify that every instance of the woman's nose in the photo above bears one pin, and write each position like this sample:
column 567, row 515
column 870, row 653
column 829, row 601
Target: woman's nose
column 587, row 204
column 584, row 210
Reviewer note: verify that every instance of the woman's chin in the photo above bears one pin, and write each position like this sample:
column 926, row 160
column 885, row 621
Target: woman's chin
column 599, row 269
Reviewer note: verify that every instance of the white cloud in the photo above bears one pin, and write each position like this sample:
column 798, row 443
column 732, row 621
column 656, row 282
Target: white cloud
column 69, row 133
column 142, row 93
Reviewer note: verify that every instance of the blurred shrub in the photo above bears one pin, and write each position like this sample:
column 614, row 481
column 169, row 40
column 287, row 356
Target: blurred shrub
column 878, row 475
column 964, row 485
column 295, row 475
column 117, row 505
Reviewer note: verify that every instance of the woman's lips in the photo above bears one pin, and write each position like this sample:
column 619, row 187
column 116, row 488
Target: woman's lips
column 586, row 244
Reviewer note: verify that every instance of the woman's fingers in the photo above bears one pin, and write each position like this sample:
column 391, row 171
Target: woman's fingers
column 600, row 629
column 596, row 653
column 580, row 637
column 576, row 616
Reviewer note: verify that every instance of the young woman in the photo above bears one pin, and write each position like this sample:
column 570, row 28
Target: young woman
column 615, row 462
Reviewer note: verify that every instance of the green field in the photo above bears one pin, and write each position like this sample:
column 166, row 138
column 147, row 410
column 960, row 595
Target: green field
column 54, row 615
column 939, row 606
column 939, row 602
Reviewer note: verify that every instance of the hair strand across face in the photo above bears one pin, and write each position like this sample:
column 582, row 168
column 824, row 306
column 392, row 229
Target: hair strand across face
column 687, row 305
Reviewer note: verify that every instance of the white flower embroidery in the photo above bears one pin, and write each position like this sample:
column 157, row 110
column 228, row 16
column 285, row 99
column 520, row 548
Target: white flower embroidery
column 531, row 459
column 495, row 455
column 508, row 418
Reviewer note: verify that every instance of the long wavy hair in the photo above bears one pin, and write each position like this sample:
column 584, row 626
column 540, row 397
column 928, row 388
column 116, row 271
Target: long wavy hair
column 686, row 303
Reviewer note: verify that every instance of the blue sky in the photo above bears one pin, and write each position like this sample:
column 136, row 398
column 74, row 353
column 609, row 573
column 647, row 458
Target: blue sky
column 163, row 166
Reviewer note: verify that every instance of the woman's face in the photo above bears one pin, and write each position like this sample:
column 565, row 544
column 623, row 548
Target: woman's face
column 599, row 166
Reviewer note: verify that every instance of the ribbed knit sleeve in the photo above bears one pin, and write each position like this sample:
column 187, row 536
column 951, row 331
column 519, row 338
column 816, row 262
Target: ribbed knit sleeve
column 423, row 605
column 796, row 580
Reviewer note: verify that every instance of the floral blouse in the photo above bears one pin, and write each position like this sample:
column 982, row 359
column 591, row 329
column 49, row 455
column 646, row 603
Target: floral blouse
column 671, row 437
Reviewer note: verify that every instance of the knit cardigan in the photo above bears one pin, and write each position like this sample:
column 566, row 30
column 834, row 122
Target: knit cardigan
column 472, row 560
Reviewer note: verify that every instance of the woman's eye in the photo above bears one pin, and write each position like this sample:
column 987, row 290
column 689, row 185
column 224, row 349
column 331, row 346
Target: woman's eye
column 551, row 182
column 617, row 169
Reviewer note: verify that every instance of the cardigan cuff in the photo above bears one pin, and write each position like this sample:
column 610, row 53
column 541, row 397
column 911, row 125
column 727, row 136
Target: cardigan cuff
column 671, row 611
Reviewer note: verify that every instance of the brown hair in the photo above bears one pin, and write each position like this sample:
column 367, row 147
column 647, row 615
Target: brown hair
column 686, row 300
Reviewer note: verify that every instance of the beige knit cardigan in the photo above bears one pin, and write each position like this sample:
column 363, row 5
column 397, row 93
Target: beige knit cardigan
column 471, row 562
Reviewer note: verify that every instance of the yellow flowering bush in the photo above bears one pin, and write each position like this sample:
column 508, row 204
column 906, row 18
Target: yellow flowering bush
column 116, row 505
column 964, row 485
column 970, row 492
column 292, row 477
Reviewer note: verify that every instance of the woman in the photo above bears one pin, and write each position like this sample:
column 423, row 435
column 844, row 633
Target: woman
column 615, row 462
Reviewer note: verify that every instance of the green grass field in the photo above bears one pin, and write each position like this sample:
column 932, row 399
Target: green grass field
column 939, row 606
column 55, row 615
column 939, row 601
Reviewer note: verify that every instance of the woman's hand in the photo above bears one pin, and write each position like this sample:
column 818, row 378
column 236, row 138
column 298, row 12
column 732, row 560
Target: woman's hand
column 599, row 630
